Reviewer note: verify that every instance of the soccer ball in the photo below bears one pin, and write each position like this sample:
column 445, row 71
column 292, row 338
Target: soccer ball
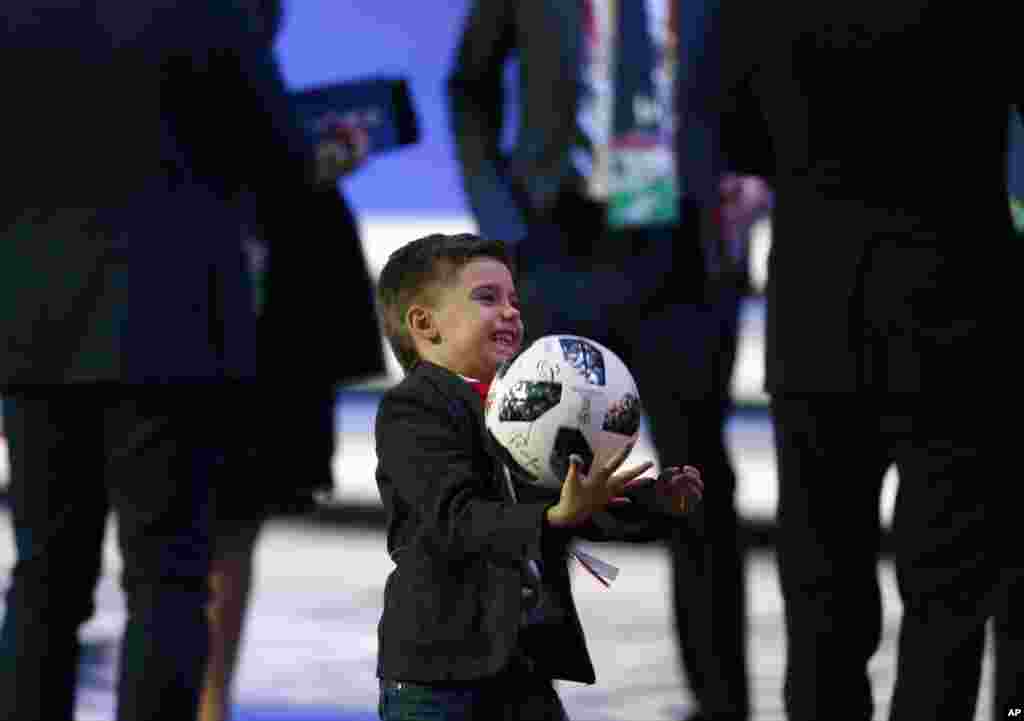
column 562, row 395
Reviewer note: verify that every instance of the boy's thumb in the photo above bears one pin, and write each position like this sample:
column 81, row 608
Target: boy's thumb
column 575, row 464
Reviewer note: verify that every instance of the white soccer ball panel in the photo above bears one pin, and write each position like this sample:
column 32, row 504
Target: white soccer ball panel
column 562, row 395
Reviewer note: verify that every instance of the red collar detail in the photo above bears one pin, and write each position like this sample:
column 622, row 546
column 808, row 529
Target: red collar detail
column 481, row 389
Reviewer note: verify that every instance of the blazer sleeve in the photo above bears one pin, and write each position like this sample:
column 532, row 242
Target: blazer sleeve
column 428, row 465
column 476, row 105
column 640, row 521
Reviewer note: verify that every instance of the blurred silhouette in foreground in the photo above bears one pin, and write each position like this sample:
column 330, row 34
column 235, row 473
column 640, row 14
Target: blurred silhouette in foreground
column 125, row 317
column 309, row 275
column 893, row 256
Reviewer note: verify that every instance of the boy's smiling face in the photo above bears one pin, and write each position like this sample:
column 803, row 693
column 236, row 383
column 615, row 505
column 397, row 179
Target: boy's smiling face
column 475, row 324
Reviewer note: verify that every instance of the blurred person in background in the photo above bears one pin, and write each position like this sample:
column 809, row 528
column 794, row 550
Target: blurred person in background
column 1015, row 171
column 617, row 226
column 1007, row 633
column 282, row 441
column 125, row 314
column 308, row 272
column 893, row 255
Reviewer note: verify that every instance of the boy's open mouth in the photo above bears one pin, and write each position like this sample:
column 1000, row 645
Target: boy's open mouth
column 505, row 338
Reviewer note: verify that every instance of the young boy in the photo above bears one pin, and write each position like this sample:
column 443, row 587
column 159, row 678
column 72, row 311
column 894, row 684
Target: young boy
column 478, row 614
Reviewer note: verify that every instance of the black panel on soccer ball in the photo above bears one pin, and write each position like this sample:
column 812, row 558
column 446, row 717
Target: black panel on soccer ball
column 623, row 416
column 529, row 400
column 584, row 357
column 567, row 442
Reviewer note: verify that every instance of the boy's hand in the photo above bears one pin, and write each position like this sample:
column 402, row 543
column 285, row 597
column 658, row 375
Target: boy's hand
column 678, row 490
column 582, row 495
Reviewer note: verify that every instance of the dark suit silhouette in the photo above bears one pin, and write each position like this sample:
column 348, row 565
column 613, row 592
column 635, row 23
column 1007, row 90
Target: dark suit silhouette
column 317, row 330
column 890, row 202
column 645, row 293
column 129, row 131
column 313, row 274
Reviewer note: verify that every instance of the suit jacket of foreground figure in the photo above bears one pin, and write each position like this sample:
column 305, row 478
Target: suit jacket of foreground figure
column 902, row 146
column 889, row 281
column 134, row 127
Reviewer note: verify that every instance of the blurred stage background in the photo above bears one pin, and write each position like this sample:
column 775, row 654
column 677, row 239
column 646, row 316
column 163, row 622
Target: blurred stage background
column 311, row 648
column 402, row 194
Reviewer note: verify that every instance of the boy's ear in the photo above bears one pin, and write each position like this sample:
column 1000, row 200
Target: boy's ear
column 421, row 324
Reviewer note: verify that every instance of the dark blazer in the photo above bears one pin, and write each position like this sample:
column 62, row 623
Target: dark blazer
column 506, row 190
column 512, row 191
column 452, row 603
column 129, row 129
column 892, row 244
column 319, row 323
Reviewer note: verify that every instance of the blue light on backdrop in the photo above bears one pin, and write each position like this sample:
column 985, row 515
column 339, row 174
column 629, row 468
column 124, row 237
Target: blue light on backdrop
column 324, row 41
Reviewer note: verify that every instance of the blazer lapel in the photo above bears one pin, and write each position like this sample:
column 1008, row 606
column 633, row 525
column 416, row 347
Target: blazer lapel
column 490, row 445
column 464, row 400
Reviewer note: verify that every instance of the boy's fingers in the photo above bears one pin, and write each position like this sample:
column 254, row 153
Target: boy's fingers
column 572, row 476
column 620, row 479
column 620, row 456
column 633, row 471
column 641, row 481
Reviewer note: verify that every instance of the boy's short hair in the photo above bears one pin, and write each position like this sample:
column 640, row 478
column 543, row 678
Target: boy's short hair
column 413, row 274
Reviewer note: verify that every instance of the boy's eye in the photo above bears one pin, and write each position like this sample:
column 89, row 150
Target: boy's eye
column 491, row 296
